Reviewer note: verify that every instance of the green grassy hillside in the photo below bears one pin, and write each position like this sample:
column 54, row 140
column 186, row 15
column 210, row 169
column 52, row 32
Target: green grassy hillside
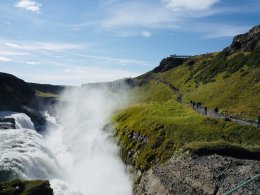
column 155, row 126
column 230, row 83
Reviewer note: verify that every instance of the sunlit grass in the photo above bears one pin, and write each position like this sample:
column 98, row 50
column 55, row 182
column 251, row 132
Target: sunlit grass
column 168, row 126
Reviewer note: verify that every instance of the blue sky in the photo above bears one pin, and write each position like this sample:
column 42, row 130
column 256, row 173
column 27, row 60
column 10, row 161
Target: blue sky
column 73, row 42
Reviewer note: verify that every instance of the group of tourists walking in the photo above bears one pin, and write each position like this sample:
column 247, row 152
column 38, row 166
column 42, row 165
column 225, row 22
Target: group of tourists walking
column 215, row 113
column 198, row 106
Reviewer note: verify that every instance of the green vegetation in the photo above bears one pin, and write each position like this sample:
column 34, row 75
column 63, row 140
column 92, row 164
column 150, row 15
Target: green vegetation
column 46, row 94
column 18, row 187
column 154, row 127
column 230, row 83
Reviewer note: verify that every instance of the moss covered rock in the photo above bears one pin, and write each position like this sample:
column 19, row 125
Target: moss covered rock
column 18, row 187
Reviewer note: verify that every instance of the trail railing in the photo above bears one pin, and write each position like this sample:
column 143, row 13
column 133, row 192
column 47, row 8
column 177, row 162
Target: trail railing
column 241, row 185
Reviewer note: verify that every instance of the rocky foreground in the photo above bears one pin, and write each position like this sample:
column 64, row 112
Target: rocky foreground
column 192, row 174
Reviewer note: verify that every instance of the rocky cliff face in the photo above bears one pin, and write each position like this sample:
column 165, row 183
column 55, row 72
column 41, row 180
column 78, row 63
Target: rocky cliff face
column 115, row 86
column 211, row 174
column 245, row 42
column 169, row 63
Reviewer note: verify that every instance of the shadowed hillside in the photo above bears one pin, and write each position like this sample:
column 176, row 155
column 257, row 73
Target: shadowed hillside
column 14, row 92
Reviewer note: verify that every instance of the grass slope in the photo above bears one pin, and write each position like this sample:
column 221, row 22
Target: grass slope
column 155, row 126
column 230, row 83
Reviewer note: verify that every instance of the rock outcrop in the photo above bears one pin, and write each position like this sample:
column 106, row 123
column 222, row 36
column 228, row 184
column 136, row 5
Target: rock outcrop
column 7, row 123
column 194, row 174
column 34, row 187
column 115, row 86
column 169, row 63
column 245, row 42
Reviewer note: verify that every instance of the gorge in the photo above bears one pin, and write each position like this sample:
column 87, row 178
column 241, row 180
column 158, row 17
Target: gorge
column 137, row 135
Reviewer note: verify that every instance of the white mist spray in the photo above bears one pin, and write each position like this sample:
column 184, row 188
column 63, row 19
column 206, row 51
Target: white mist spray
column 85, row 151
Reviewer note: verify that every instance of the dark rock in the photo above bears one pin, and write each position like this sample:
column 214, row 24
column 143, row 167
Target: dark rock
column 245, row 42
column 7, row 123
column 169, row 63
column 34, row 187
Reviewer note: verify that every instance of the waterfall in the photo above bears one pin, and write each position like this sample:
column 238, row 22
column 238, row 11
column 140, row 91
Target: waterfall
column 77, row 155
column 21, row 119
column 23, row 154
column 86, row 152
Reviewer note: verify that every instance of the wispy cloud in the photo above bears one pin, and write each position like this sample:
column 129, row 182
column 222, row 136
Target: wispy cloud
column 146, row 34
column 48, row 46
column 120, row 61
column 7, row 23
column 5, row 59
column 125, row 18
column 31, row 62
column 12, row 53
column 190, row 5
column 220, row 30
column 29, row 5
column 137, row 15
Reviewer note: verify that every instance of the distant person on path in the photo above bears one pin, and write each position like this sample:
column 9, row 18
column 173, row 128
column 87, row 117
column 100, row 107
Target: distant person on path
column 205, row 110
column 193, row 104
column 257, row 121
column 216, row 110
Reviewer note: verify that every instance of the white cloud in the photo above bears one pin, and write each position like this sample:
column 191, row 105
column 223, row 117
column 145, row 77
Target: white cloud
column 146, row 34
column 129, row 18
column 120, row 61
column 29, row 5
column 137, row 15
column 219, row 30
column 193, row 5
column 31, row 62
column 12, row 53
column 4, row 59
column 48, row 46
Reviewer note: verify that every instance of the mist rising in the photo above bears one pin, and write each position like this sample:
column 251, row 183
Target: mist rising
column 85, row 151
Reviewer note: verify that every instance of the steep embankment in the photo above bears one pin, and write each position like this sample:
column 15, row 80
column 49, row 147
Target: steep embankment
column 156, row 127
column 14, row 92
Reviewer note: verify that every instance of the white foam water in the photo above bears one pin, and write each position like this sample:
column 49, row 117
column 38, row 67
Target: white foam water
column 21, row 119
column 78, row 156
column 85, row 151
column 23, row 154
